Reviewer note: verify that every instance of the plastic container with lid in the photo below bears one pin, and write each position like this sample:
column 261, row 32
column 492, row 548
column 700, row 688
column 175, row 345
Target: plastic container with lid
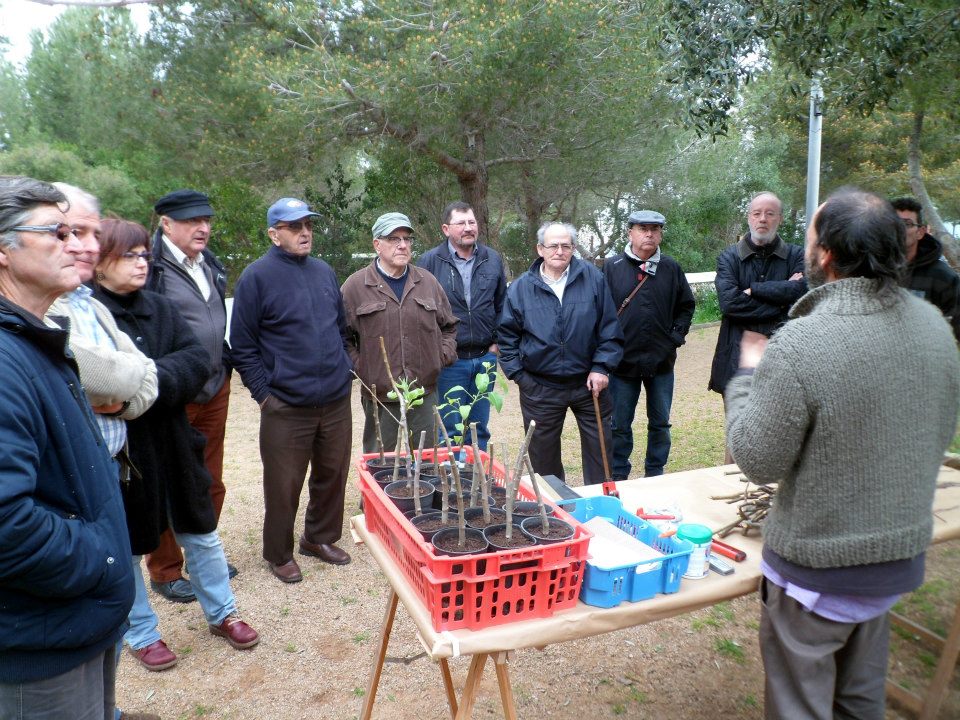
column 701, row 537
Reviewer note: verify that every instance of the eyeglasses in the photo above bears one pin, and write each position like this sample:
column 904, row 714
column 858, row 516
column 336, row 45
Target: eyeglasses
column 61, row 230
column 396, row 240
column 296, row 226
column 910, row 225
column 133, row 256
column 558, row 247
column 464, row 223
column 764, row 213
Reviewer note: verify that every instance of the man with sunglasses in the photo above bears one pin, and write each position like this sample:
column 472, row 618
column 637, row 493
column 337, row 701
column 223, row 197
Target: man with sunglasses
column 66, row 583
column 405, row 305
column 189, row 274
column 288, row 342
column 472, row 276
column 928, row 274
column 559, row 341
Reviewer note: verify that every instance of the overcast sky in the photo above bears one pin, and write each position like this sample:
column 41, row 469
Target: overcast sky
column 19, row 17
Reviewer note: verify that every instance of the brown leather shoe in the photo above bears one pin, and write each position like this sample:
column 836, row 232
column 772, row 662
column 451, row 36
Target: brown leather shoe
column 155, row 656
column 288, row 572
column 240, row 635
column 328, row 553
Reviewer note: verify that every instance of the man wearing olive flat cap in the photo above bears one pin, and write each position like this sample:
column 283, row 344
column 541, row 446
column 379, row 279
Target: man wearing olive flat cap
column 189, row 274
column 404, row 304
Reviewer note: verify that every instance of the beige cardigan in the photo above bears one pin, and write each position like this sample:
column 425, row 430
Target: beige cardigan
column 110, row 376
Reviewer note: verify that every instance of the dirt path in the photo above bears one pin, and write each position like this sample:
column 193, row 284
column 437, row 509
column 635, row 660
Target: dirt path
column 319, row 635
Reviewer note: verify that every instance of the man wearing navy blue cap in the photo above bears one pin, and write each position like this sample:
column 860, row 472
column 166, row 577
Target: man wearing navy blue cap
column 655, row 306
column 287, row 312
column 189, row 274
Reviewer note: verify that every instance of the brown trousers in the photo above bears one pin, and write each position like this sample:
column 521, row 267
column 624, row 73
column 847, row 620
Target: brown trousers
column 290, row 439
column 166, row 562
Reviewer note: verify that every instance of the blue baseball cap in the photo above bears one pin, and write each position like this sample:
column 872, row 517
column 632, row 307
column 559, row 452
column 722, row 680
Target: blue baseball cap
column 288, row 210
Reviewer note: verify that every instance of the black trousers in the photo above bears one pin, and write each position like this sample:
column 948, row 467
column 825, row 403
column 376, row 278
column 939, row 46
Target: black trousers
column 548, row 406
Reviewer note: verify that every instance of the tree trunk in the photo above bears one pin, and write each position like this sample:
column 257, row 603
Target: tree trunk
column 532, row 208
column 917, row 186
column 475, row 184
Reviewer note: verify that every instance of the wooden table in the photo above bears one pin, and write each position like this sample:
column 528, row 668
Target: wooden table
column 690, row 491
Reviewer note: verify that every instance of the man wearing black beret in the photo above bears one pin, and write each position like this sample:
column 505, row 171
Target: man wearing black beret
column 184, row 269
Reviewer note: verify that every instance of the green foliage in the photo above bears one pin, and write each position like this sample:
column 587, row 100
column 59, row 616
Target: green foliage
column 341, row 234
column 411, row 394
column 708, row 305
column 491, row 387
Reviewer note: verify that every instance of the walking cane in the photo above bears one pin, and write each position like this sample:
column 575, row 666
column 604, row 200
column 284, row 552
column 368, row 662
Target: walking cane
column 609, row 487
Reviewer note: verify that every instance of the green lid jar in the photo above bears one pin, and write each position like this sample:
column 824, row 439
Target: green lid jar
column 700, row 536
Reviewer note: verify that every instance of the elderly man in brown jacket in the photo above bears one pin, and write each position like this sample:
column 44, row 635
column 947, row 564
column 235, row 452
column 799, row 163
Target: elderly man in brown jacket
column 396, row 300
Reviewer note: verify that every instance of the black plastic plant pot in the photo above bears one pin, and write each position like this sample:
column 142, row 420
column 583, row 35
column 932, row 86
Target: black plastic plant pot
column 431, row 522
column 558, row 531
column 474, row 517
column 496, row 535
column 385, row 477
column 402, row 495
column 499, row 494
column 527, row 508
column 452, row 500
column 375, row 463
column 446, row 542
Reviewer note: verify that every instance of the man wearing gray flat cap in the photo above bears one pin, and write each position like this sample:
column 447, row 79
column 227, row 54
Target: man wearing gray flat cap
column 405, row 305
column 655, row 307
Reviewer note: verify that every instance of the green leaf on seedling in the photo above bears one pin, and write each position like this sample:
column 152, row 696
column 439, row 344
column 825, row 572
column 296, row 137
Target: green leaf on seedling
column 416, row 393
column 454, row 389
column 496, row 399
column 414, row 403
column 459, row 428
column 502, row 382
column 392, row 395
column 483, row 382
column 487, row 365
column 465, row 411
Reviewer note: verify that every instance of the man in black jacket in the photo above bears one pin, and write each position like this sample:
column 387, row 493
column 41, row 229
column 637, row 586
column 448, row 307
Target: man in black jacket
column 655, row 306
column 560, row 340
column 928, row 274
column 474, row 280
column 758, row 280
column 186, row 272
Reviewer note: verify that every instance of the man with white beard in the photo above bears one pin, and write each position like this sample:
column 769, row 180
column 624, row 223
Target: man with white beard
column 758, row 279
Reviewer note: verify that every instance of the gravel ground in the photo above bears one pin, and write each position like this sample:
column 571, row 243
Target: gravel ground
column 318, row 636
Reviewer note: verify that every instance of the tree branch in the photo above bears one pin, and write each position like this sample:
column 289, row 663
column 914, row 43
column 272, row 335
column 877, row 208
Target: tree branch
column 96, row 3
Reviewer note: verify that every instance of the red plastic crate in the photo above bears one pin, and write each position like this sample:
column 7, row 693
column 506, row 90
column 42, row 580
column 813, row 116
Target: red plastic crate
column 478, row 591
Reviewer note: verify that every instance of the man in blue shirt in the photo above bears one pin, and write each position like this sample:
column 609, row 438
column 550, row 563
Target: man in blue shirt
column 473, row 277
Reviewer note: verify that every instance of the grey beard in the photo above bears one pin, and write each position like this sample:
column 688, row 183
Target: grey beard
column 762, row 240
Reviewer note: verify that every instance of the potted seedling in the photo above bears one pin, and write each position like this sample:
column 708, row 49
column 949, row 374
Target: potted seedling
column 401, row 492
column 460, row 540
column 541, row 528
column 502, row 537
column 484, row 515
column 491, row 386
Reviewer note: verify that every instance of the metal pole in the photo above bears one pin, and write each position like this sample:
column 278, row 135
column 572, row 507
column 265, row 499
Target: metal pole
column 813, row 148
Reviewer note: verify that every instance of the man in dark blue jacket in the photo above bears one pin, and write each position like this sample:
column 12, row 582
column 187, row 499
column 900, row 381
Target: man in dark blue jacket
column 474, row 280
column 655, row 306
column 560, row 340
column 66, row 584
column 288, row 342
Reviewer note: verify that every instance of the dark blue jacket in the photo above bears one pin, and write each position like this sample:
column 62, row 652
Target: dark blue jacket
column 66, row 583
column 288, row 333
column 488, row 287
column 560, row 344
column 766, row 272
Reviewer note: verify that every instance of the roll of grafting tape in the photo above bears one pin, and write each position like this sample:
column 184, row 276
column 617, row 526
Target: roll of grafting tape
column 700, row 536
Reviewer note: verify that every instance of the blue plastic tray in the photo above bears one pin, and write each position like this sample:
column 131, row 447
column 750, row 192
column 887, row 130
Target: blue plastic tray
column 609, row 588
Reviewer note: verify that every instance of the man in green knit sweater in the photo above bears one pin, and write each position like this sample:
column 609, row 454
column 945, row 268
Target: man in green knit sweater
column 849, row 407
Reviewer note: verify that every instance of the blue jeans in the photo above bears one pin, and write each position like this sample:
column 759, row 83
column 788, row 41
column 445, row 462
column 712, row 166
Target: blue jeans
column 464, row 373
column 626, row 394
column 84, row 693
column 208, row 576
